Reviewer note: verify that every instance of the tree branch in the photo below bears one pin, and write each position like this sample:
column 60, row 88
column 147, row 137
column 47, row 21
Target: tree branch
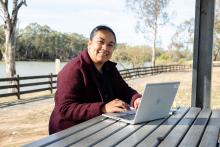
column 4, row 5
column 16, row 7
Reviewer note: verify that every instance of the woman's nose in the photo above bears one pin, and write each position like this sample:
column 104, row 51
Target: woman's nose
column 104, row 46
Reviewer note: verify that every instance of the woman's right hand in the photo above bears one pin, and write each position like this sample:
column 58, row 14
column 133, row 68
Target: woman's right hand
column 115, row 105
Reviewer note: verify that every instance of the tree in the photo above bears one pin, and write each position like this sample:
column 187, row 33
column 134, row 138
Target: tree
column 183, row 38
column 150, row 14
column 10, row 22
column 37, row 42
column 181, row 46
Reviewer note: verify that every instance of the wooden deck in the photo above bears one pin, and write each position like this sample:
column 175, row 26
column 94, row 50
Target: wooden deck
column 188, row 127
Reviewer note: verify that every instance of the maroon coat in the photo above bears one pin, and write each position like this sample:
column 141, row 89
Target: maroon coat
column 80, row 95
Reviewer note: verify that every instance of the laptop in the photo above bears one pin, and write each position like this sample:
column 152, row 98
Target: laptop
column 155, row 104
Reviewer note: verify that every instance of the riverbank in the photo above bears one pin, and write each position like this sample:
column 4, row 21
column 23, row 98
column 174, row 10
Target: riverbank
column 25, row 123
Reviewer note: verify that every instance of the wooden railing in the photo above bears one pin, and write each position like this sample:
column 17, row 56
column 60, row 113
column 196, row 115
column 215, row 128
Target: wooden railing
column 50, row 80
column 140, row 71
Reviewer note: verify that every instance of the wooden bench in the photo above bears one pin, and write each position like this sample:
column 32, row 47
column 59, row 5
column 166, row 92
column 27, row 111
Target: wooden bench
column 188, row 127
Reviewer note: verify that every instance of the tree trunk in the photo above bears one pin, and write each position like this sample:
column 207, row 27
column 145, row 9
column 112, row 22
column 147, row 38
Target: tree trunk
column 154, row 45
column 9, row 55
column 216, row 54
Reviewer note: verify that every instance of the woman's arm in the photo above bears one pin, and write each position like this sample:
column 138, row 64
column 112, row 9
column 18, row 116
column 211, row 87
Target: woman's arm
column 70, row 97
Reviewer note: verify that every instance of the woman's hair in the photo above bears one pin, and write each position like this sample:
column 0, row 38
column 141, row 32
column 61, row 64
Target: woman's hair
column 102, row 27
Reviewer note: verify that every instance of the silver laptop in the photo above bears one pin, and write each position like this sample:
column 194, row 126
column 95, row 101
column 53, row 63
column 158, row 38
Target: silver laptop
column 155, row 104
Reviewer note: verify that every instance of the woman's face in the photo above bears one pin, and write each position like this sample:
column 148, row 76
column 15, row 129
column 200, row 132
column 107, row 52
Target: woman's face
column 101, row 47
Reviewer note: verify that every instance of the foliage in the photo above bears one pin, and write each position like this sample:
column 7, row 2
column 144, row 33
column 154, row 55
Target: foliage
column 176, row 56
column 36, row 42
column 135, row 55
column 216, row 46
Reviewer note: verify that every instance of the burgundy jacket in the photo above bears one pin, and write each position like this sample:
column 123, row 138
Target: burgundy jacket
column 79, row 95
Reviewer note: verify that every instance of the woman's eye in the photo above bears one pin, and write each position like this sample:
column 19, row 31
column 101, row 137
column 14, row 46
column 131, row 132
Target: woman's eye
column 100, row 42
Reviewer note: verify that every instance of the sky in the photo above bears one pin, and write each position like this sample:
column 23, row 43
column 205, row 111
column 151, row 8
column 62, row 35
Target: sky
column 81, row 16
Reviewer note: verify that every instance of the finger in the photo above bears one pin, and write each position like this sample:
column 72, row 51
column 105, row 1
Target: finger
column 135, row 105
column 118, row 109
column 122, row 104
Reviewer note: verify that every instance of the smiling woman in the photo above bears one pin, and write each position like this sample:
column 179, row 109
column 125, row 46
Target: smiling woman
column 90, row 84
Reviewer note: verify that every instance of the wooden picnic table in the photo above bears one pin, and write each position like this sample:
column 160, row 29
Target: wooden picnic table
column 188, row 127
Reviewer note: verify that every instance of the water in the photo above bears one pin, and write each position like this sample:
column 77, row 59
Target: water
column 31, row 68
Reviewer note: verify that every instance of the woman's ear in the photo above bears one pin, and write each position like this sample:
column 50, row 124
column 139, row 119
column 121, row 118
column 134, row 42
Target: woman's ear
column 89, row 43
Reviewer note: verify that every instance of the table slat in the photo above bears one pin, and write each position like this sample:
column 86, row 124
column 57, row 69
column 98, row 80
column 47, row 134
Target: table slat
column 118, row 136
column 82, row 134
column 161, row 132
column 189, row 127
column 210, row 137
column 180, row 130
column 191, row 139
column 97, row 137
column 60, row 135
column 141, row 133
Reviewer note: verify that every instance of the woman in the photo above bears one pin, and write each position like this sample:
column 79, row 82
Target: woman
column 90, row 84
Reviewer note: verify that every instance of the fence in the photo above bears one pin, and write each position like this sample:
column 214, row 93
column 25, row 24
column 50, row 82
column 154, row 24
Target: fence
column 18, row 84
column 50, row 80
column 140, row 71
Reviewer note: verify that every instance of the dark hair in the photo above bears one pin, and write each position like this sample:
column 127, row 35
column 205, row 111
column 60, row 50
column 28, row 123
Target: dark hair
column 101, row 27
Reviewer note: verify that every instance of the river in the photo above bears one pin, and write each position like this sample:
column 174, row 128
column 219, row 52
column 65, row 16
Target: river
column 31, row 68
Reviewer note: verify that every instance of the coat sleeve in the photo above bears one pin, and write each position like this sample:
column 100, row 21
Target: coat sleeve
column 125, row 92
column 69, row 98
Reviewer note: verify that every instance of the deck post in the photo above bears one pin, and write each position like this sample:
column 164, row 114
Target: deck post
column 202, row 54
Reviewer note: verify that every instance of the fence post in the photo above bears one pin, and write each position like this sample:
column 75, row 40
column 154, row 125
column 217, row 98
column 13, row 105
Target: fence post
column 57, row 66
column 138, row 70
column 18, row 87
column 152, row 70
column 51, row 82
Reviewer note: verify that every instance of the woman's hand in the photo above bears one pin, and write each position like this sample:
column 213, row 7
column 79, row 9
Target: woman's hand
column 115, row 105
column 137, row 103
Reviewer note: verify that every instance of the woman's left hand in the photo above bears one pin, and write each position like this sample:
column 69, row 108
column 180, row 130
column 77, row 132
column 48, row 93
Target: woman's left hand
column 137, row 103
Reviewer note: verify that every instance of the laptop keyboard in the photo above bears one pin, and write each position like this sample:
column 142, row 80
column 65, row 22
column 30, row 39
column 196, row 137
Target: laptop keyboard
column 128, row 117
